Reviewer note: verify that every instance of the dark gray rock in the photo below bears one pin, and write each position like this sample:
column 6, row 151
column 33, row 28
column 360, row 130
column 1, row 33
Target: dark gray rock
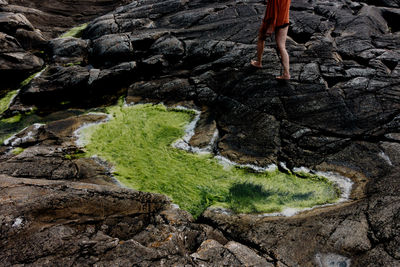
column 16, row 35
column 344, row 238
column 31, row 39
column 168, row 89
column 114, row 48
column 16, row 24
column 68, row 50
column 52, row 147
column 9, row 44
column 17, row 65
column 57, row 17
column 10, row 22
column 387, row 3
column 206, row 130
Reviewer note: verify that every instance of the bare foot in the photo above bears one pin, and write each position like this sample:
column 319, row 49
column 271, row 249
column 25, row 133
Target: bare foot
column 283, row 77
column 256, row 64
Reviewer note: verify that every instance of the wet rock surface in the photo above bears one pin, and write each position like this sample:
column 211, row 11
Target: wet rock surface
column 340, row 112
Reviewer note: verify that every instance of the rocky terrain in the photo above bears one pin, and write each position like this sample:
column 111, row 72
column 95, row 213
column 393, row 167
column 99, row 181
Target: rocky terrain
column 340, row 113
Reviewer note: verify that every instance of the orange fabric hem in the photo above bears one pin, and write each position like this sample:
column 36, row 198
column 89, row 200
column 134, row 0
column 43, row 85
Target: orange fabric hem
column 276, row 16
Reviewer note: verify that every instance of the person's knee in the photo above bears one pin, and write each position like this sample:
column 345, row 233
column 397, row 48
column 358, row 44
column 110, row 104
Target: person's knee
column 281, row 46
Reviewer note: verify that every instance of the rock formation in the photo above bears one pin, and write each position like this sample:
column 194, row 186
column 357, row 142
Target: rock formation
column 27, row 26
column 340, row 112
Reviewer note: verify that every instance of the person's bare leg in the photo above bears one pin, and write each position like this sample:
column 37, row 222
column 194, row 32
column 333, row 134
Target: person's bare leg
column 260, row 50
column 280, row 38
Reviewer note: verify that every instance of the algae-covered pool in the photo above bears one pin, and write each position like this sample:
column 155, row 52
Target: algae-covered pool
column 137, row 141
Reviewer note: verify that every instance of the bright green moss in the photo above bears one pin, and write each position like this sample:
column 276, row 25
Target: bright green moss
column 76, row 155
column 12, row 119
column 28, row 80
column 75, row 32
column 5, row 100
column 12, row 125
column 63, row 103
column 70, row 64
column 138, row 142
column 17, row 150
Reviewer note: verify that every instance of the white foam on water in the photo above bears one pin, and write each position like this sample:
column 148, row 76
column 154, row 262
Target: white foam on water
column 227, row 163
column 183, row 142
column 288, row 212
column 15, row 141
column 175, row 206
column 332, row 260
column 385, row 157
column 301, row 169
column 8, row 140
column 12, row 99
column 39, row 73
column 343, row 183
column 283, row 165
column 78, row 133
column 17, row 222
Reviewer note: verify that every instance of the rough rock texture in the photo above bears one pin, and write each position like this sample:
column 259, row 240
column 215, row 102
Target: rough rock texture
column 17, row 35
column 52, row 147
column 77, row 224
column 345, row 85
column 15, row 63
column 55, row 17
column 27, row 26
column 340, row 112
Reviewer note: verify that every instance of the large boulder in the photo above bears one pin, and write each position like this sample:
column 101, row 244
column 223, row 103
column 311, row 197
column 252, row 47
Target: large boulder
column 18, row 35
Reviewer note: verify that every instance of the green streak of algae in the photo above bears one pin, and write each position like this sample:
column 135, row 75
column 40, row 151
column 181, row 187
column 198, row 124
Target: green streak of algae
column 137, row 141
column 75, row 32
column 6, row 99
column 19, row 121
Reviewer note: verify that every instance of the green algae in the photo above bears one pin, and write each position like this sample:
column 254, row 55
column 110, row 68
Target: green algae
column 13, row 119
column 12, row 125
column 70, row 64
column 75, row 32
column 17, row 150
column 137, row 141
column 76, row 155
column 6, row 100
column 28, row 80
column 9, row 126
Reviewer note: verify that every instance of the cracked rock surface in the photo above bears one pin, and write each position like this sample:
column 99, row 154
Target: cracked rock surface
column 26, row 27
column 340, row 112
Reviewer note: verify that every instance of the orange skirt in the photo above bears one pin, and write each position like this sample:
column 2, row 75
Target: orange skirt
column 276, row 16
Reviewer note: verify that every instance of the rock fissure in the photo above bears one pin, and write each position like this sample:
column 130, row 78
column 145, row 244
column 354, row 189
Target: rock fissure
column 259, row 249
